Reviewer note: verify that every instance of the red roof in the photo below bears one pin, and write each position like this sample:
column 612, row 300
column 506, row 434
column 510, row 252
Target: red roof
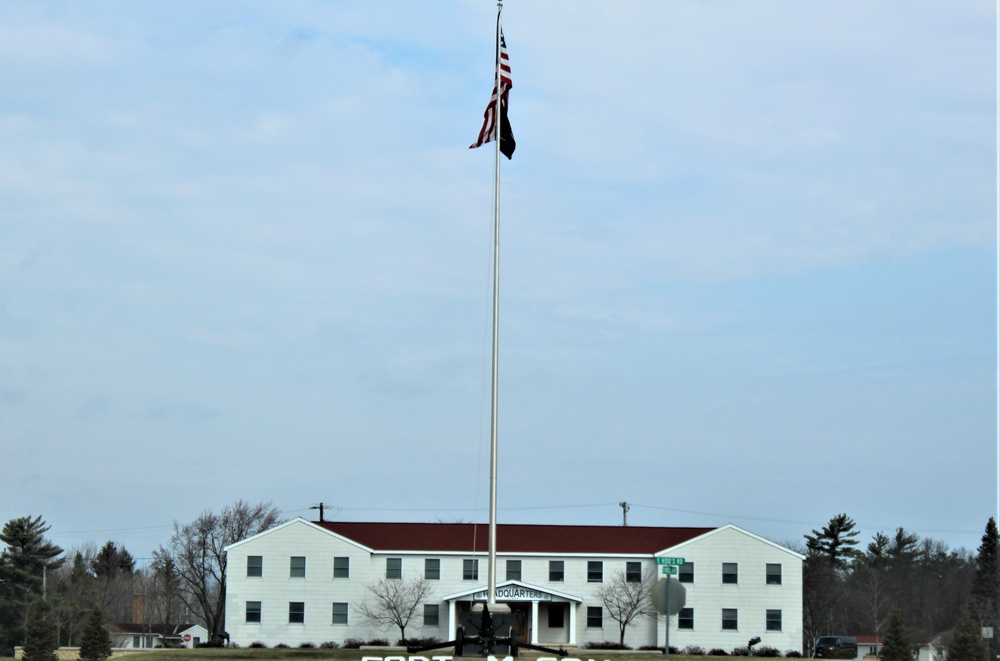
column 512, row 538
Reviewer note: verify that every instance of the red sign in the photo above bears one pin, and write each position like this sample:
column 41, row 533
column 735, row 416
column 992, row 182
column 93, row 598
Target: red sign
column 187, row 638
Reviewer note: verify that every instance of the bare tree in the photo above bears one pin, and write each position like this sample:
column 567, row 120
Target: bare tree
column 197, row 551
column 627, row 601
column 396, row 602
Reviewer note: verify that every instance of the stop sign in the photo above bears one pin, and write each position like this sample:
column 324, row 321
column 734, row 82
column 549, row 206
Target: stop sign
column 187, row 638
column 668, row 601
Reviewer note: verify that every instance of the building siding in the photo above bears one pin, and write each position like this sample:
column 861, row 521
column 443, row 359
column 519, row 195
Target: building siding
column 319, row 590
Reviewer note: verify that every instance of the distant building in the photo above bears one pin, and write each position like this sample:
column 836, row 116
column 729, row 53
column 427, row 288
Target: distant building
column 303, row 581
column 126, row 635
column 928, row 648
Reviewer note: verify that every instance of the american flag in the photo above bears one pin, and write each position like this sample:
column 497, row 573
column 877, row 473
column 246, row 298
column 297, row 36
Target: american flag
column 489, row 117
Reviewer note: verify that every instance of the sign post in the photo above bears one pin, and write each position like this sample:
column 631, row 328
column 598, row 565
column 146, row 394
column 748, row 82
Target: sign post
column 662, row 599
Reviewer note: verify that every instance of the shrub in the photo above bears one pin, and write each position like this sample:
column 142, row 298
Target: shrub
column 793, row 654
column 378, row 642
column 767, row 651
column 307, row 646
column 281, row 646
column 420, row 642
column 212, row 643
column 694, row 650
column 740, row 651
column 258, row 645
column 715, row 651
column 353, row 643
column 329, row 645
column 606, row 645
column 650, row 648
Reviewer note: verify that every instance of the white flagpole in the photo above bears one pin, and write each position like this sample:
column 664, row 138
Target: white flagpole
column 492, row 560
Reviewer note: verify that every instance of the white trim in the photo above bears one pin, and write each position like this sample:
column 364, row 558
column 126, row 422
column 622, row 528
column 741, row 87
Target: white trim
column 734, row 528
column 299, row 519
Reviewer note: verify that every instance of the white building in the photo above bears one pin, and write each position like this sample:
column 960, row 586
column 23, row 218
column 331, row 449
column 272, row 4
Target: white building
column 303, row 581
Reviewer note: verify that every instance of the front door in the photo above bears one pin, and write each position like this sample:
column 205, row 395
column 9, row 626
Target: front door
column 522, row 620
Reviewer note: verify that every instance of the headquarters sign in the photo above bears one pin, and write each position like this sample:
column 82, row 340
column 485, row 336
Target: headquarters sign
column 514, row 593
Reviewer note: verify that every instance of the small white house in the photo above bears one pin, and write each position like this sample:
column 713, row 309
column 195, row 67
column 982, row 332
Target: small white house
column 303, row 582
column 870, row 648
column 126, row 635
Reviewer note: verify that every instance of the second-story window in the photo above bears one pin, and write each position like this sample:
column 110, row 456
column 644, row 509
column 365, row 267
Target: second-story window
column 394, row 568
column 297, row 566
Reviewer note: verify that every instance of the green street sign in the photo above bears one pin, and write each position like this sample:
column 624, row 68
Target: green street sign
column 670, row 561
column 669, row 570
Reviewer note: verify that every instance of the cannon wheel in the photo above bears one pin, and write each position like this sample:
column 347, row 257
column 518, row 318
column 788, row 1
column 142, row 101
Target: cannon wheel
column 513, row 642
column 460, row 642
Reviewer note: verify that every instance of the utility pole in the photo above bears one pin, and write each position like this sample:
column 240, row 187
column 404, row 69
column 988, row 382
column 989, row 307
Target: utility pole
column 320, row 508
column 625, row 508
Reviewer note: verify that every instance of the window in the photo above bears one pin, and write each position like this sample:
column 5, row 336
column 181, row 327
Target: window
column 595, row 617
column 297, row 566
column 556, row 571
column 255, row 565
column 685, row 619
column 470, row 570
column 513, row 570
column 432, row 569
column 773, row 622
column 773, row 574
column 394, row 568
column 556, row 616
column 595, row 571
column 296, row 612
column 253, row 611
column 341, row 567
column 730, row 572
column 633, row 572
column 729, row 619
column 137, row 641
column 431, row 615
column 685, row 573
column 339, row 613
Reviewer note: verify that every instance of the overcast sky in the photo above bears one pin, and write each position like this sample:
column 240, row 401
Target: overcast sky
column 747, row 263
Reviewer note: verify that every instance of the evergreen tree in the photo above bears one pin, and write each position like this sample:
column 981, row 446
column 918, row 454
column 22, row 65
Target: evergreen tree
column 967, row 642
column 986, row 585
column 96, row 642
column 897, row 645
column 27, row 558
column 837, row 541
column 41, row 636
column 829, row 552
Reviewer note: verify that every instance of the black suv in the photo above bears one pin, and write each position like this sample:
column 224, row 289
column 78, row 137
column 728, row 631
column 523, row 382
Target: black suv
column 836, row 647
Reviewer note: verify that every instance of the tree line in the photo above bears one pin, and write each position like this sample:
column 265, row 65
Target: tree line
column 184, row 583
column 920, row 585
column 897, row 579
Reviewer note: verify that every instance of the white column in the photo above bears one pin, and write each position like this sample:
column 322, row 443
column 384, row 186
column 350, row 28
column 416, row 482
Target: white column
column 452, row 625
column 534, row 622
column 572, row 623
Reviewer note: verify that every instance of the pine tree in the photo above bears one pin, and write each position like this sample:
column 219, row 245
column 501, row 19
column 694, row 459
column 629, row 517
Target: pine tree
column 897, row 646
column 95, row 644
column 967, row 642
column 23, row 563
column 41, row 635
column 986, row 585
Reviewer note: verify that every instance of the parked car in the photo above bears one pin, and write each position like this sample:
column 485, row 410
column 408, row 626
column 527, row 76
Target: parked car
column 836, row 647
